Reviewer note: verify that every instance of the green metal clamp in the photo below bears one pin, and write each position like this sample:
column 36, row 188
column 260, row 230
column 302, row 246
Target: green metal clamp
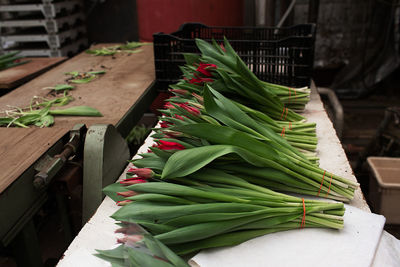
column 49, row 166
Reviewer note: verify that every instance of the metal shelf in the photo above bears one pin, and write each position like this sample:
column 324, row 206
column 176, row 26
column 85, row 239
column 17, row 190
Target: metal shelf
column 49, row 10
column 51, row 25
column 53, row 40
column 66, row 50
column 42, row 28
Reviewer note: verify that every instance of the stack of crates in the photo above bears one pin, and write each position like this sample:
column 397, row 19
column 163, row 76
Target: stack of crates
column 49, row 28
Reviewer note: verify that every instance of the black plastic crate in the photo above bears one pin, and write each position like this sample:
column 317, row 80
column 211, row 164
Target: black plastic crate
column 279, row 55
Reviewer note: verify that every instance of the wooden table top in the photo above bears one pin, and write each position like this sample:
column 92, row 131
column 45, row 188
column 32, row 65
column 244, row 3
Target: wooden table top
column 127, row 77
column 20, row 148
column 113, row 93
column 13, row 77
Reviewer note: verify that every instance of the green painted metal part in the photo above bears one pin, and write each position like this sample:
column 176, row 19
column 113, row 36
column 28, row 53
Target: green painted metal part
column 21, row 200
column 24, row 198
column 54, row 164
column 25, row 247
column 105, row 156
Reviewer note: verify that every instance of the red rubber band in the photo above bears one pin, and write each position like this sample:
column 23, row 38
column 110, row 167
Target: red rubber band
column 290, row 125
column 290, row 94
column 286, row 113
column 303, row 220
column 329, row 189
column 283, row 132
column 322, row 182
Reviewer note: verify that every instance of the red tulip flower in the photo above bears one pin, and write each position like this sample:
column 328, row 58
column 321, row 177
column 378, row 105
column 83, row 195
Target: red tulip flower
column 166, row 145
column 123, row 202
column 165, row 124
column 168, row 105
column 180, row 92
column 145, row 173
column 130, row 239
column 179, row 117
column 192, row 110
column 200, row 80
column 204, row 69
column 129, row 193
column 132, row 181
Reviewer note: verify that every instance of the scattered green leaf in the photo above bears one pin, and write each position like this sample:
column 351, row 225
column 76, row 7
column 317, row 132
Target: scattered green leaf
column 84, row 80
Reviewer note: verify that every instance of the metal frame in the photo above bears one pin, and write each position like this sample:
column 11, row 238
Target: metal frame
column 18, row 204
column 26, row 200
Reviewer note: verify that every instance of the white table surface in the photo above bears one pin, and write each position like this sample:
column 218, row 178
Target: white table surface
column 98, row 233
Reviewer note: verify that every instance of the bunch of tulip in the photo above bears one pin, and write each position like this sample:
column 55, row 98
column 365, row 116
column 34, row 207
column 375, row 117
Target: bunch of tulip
column 211, row 208
column 226, row 73
column 224, row 70
column 138, row 248
column 207, row 180
column 226, row 145
column 221, row 136
column 302, row 136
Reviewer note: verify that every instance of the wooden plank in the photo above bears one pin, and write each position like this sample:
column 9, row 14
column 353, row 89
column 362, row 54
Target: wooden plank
column 20, row 148
column 13, row 77
column 127, row 77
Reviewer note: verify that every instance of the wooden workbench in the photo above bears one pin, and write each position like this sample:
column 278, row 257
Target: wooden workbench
column 122, row 94
column 332, row 158
column 15, row 76
column 114, row 93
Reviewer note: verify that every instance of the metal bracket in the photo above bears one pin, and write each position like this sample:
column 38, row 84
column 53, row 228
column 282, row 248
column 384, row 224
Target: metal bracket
column 49, row 166
column 337, row 107
column 105, row 156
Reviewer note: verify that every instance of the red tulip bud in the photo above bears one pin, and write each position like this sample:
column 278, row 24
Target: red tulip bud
column 180, row 92
column 142, row 172
column 132, row 181
column 205, row 69
column 130, row 239
column 165, row 124
column 192, row 110
column 127, row 193
column 123, row 202
column 198, row 97
column 166, row 145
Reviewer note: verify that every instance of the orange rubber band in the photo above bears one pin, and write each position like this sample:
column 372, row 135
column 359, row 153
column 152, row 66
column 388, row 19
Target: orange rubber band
column 290, row 125
column 290, row 94
column 329, row 189
column 303, row 220
column 286, row 113
column 283, row 132
column 294, row 94
column 322, row 182
column 283, row 112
